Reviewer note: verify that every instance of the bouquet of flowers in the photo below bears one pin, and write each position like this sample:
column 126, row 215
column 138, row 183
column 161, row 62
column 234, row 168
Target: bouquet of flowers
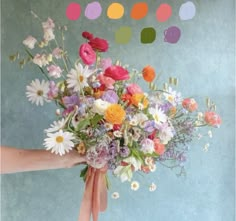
column 105, row 114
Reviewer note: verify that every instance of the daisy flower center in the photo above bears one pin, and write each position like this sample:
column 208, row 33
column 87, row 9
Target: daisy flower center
column 156, row 117
column 81, row 78
column 40, row 93
column 59, row 139
column 170, row 98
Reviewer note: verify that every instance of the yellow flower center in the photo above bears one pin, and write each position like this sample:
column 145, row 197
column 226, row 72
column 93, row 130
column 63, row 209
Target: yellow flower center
column 81, row 78
column 59, row 139
column 156, row 117
column 170, row 98
column 40, row 93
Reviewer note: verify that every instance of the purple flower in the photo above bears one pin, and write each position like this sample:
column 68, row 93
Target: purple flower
column 149, row 126
column 166, row 107
column 113, row 149
column 124, row 151
column 70, row 101
column 110, row 96
column 53, row 90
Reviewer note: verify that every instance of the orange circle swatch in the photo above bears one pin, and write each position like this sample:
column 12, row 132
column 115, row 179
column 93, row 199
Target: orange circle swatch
column 164, row 12
column 139, row 10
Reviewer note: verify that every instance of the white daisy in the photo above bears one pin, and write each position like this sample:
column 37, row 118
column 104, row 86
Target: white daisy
column 37, row 92
column 158, row 115
column 59, row 142
column 56, row 126
column 152, row 187
column 134, row 185
column 115, row 195
column 77, row 78
column 173, row 97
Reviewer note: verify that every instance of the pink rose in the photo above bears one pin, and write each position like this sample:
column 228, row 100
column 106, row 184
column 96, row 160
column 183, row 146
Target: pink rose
column 99, row 44
column 107, row 81
column 87, row 54
column 117, row 73
column 134, row 89
column 87, row 35
column 190, row 104
column 159, row 147
column 212, row 119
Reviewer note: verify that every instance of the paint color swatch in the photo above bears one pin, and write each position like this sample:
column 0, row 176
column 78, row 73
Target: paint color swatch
column 115, row 11
column 172, row 34
column 123, row 35
column 93, row 10
column 139, row 10
column 73, row 11
column 163, row 12
column 148, row 35
column 187, row 11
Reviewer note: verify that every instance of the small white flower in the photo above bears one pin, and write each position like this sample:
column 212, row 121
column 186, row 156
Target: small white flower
column 149, row 161
column 48, row 34
column 134, row 185
column 58, row 112
column 117, row 133
column 40, row 60
column 147, row 146
column 56, row 126
column 108, row 126
column 37, row 92
column 199, row 115
column 140, row 106
column 115, row 195
column 152, row 187
column 206, row 147
column 59, row 142
column 100, row 106
column 199, row 136
column 172, row 96
column 48, row 24
column 30, row 41
column 57, row 53
column 77, row 78
column 54, row 71
column 158, row 115
column 152, row 167
column 210, row 133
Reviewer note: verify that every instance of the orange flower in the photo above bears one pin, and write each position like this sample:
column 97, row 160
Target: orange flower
column 115, row 114
column 148, row 73
column 138, row 99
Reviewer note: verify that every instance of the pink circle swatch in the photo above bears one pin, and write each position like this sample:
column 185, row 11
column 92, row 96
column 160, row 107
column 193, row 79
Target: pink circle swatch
column 164, row 12
column 73, row 11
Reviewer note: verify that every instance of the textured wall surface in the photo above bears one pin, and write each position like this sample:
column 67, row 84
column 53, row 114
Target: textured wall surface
column 203, row 61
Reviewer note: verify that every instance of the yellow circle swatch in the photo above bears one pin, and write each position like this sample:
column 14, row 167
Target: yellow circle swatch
column 115, row 11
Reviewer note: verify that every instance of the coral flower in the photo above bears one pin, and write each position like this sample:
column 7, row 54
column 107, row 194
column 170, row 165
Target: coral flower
column 138, row 99
column 148, row 73
column 189, row 104
column 212, row 119
column 159, row 147
column 115, row 114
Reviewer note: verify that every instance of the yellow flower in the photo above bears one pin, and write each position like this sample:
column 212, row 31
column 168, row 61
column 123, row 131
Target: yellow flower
column 115, row 114
column 138, row 99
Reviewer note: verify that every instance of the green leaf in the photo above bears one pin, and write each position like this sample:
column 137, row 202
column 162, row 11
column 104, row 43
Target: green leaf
column 83, row 124
column 84, row 172
column 95, row 120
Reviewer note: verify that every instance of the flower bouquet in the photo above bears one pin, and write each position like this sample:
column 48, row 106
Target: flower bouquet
column 105, row 114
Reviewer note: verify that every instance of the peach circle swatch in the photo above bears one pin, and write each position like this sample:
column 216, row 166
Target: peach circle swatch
column 73, row 11
column 163, row 12
column 93, row 10
column 139, row 10
column 115, row 11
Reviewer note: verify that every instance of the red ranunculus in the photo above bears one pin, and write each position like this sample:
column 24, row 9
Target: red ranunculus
column 99, row 44
column 87, row 54
column 189, row 104
column 117, row 73
column 87, row 35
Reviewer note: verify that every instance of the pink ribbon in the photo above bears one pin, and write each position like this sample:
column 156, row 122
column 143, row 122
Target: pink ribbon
column 95, row 195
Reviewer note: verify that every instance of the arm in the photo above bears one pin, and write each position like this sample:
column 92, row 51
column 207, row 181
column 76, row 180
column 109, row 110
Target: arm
column 15, row 160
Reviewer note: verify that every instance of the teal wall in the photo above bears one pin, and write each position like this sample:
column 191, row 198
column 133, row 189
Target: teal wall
column 203, row 61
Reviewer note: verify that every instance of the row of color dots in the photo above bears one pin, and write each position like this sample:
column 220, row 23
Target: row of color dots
column 138, row 11
column 148, row 35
